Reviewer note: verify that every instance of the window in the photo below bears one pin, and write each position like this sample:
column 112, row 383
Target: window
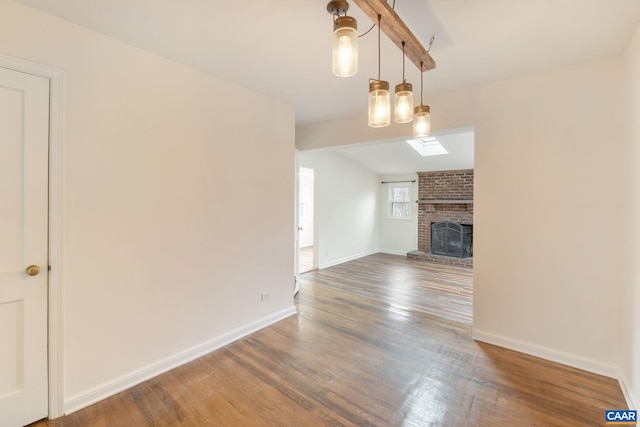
column 399, row 201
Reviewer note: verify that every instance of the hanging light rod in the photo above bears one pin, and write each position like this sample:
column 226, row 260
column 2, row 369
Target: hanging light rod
column 397, row 31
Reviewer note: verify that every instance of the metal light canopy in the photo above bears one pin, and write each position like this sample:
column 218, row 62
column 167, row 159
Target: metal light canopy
column 338, row 7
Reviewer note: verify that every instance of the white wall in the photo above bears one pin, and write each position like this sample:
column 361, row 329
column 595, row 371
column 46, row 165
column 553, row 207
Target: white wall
column 398, row 236
column 546, row 249
column 547, row 207
column 169, row 199
column 631, row 221
column 346, row 198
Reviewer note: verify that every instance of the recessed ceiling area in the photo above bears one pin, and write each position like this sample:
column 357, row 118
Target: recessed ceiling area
column 397, row 157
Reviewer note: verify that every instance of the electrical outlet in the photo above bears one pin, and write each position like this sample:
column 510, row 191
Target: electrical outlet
column 265, row 296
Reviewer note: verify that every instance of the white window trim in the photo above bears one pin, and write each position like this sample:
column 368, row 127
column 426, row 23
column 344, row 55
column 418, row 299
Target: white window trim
column 389, row 201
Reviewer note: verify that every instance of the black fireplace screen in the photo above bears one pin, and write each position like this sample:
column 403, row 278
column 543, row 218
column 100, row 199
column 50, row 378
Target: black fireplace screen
column 452, row 239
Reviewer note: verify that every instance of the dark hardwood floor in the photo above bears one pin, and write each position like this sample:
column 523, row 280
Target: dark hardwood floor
column 354, row 356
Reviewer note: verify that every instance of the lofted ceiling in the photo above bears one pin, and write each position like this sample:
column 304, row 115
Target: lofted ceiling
column 283, row 49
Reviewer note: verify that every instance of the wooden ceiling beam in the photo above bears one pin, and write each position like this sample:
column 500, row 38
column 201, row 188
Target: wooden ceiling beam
column 397, row 31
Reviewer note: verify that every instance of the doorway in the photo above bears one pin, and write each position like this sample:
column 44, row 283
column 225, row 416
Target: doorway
column 306, row 225
column 24, row 136
column 55, row 273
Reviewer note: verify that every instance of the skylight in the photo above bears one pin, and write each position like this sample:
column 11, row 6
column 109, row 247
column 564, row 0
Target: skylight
column 427, row 146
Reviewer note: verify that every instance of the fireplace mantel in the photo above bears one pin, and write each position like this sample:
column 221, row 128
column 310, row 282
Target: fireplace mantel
column 445, row 201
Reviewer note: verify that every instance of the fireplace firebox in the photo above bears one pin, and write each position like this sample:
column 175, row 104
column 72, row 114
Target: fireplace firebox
column 452, row 239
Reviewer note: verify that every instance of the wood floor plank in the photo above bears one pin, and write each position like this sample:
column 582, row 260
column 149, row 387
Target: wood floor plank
column 439, row 290
column 305, row 259
column 361, row 354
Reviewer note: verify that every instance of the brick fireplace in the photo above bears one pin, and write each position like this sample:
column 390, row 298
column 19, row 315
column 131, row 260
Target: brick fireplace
column 443, row 196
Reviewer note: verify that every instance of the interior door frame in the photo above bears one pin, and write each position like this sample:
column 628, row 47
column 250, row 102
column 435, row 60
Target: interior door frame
column 56, row 225
column 314, row 257
column 296, row 231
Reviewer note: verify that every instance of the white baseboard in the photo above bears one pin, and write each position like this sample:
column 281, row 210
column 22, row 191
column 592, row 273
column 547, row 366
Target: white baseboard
column 563, row 358
column 628, row 396
column 345, row 259
column 131, row 379
column 548, row 354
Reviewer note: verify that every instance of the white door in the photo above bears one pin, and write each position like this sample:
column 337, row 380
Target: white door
column 24, row 142
column 305, row 210
column 305, row 199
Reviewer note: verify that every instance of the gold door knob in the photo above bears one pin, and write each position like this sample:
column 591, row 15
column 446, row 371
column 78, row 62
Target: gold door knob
column 33, row 270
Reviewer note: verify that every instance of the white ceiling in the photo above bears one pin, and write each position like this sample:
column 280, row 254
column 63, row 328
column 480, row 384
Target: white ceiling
column 398, row 157
column 283, row 49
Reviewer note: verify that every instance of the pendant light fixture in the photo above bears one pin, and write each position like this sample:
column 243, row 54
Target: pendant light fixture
column 422, row 116
column 344, row 40
column 379, row 98
column 345, row 62
column 403, row 105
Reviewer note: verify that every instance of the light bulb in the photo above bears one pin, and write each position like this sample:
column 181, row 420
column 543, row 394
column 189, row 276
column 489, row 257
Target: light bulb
column 381, row 108
column 345, row 52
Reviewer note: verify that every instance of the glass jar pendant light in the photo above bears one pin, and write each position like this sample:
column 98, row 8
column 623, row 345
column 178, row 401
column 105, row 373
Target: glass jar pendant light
column 422, row 116
column 403, row 105
column 344, row 58
column 422, row 122
column 379, row 98
column 379, row 104
column 345, row 47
